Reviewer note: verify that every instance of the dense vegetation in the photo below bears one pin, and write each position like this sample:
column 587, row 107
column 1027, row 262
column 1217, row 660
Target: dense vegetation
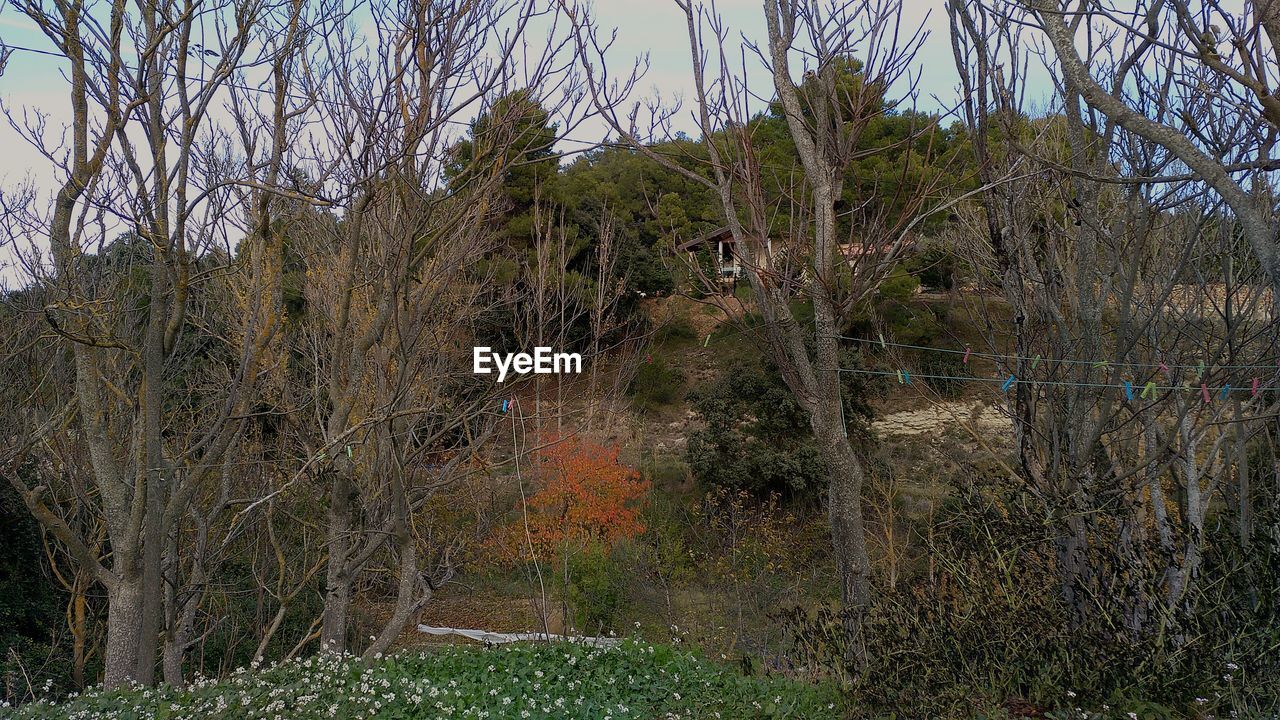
column 961, row 415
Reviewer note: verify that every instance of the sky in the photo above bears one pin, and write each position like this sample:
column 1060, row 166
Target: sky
column 656, row 27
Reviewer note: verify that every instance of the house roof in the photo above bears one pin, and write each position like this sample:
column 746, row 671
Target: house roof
column 720, row 233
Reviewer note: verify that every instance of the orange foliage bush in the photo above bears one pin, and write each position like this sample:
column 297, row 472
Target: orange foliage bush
column 585, row 497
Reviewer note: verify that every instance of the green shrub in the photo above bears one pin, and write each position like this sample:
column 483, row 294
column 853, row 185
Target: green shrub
column 656, row 384
column 645, row 271
column 663, row 550
column 935, row 266
column 597, row 589
column 755, row 436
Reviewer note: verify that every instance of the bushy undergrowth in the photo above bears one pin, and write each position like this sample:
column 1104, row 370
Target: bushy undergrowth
column 656, row 384
column 632, row 680
column 985, row 630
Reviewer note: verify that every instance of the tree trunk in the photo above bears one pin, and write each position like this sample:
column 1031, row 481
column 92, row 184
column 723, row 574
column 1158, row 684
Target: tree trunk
column 178, row 636
column 848, row 537
column 125, row 599
column 79, row 626
column 337, row 607
column 1072, row 549
column 337, row 597
column 174, row 648
column 408, row 600
column 152, row 593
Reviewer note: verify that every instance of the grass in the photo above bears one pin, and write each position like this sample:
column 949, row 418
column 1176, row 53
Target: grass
column 634, row 680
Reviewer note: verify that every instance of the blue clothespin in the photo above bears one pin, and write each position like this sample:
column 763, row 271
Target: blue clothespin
column 505, row 405
column 906, row 376
column 1128, row 390
column 1008, row 383
column 1226, row 389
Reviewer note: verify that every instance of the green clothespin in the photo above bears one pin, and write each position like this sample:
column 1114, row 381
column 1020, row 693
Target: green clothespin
column 1149, row 389
column 882, row 345
column 1035, row 361
column 899, row 377
column 708, row 340
column 348, row 452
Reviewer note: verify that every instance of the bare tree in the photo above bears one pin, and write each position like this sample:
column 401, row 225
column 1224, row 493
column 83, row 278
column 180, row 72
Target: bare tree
column 1139, row 322
column 143, row 85
column 1198, row 79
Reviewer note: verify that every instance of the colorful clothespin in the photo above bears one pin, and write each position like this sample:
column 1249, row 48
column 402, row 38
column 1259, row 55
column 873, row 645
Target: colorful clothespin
column 348, row 452
column 1200, row 370
column 1164, row 369
column 882, row 345
column 1149, row 389
column 899, row 377
column 1253, row 391
column 505, row 404
column 906, row 377
column 1035, row 361
column 1101, row 364
column 967, row 351
column 1226, row 389
column 1204, row 392
column 1008, row 383
column 708, row 340
column 1128, row 390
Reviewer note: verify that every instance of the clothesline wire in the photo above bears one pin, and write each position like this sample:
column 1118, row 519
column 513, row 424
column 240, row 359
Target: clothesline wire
column 907, row 375
column 1066, row 361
